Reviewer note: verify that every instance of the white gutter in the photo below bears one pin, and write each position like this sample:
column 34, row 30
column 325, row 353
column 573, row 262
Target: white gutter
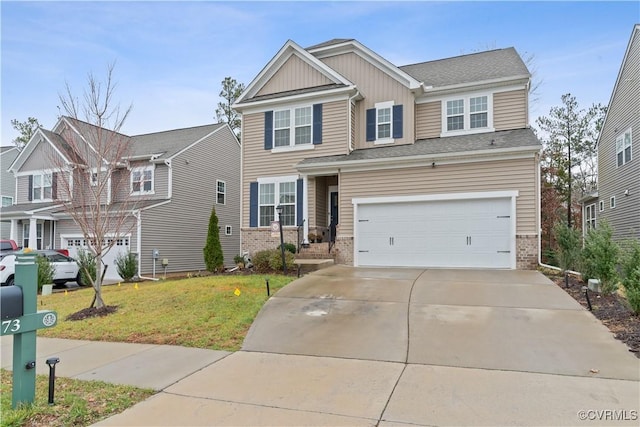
column 138, row 215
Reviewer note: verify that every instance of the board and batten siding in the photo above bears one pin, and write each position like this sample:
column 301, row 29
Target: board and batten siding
column 376, row 86
column 258, row 162
column 613, row 181
column 510, row 110
column 43, row 157
column 428, row 120
column 179, row 228
column 498, row 175
column 294, row 74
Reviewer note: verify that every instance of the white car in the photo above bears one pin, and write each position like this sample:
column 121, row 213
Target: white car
column 66, row 268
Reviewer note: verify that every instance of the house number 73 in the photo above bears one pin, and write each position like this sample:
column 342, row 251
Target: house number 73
column 12, row 325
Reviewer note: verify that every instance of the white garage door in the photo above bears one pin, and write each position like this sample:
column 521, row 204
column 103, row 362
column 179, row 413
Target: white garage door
column 473, row 233
column 74, row 243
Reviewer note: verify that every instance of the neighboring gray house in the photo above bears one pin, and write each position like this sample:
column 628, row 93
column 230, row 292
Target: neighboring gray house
column 7, row 184
column 618, row 197
column 174, row 179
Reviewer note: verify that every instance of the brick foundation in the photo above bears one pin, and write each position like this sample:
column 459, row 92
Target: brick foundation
column 526, row 252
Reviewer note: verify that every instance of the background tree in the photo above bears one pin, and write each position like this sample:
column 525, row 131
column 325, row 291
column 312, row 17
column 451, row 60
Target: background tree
column 213, row 256
column 231, row 90
column 26, row 129
column 98, row 170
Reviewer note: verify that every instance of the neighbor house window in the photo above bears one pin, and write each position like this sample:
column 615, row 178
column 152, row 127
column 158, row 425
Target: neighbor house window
column 228, row 230
column 272, row 194
column 142, row 180
column 623, row 148
column 42, row 186
column 221, row 192
column 286, row 133
column 7, row 200
column 601, row 203
column 467, row 114
column 590, row 216
column 612, row 202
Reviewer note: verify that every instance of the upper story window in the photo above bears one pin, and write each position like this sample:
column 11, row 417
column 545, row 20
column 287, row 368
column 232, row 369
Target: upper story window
column 221, row 192
column 41, row 187
column 7, row 200
column 93, row 178
column 467, row 114
column 623, row 148
column 384, row 122
column 142, row 180
column 293, row 128
column 590, row 216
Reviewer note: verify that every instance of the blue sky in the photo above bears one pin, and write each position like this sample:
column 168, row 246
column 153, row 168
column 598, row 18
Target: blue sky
column 171, row 56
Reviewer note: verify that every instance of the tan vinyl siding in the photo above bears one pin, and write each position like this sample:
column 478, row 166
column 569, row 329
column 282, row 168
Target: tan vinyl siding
column 445, row 179
column 259, row 162
column 294, row 74
column 510, row 110
column 428, row 120
column 375, row 86
column 614, row 180
column 194, row 195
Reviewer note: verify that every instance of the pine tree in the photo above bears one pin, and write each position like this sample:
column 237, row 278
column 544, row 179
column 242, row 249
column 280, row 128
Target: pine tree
column 213, row 257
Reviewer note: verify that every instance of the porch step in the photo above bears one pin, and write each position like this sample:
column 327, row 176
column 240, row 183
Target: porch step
column 307, row 265
column 317, row 251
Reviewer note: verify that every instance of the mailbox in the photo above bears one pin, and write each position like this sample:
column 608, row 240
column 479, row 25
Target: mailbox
column 11, row 305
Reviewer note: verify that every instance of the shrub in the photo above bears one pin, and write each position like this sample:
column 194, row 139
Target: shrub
column 600, row 257
column 631, row 275
column 238, row 259
column 46, row 270
column 127, row 265
column 289, row 247
column 568, row 240
column 86, row 262
column 261, row 260
column 271, row 260
column 213, row 257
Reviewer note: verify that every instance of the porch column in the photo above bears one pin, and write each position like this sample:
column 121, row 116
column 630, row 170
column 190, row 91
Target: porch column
column 305, row 207
column 33, row 233
column 13, row 233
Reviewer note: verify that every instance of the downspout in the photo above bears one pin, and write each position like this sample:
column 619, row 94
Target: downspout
column 170, row 185
column 539, row 218
column 138, row 215
column 350, row 123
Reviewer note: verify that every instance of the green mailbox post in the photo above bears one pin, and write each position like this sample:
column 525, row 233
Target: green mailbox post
column 23, row 324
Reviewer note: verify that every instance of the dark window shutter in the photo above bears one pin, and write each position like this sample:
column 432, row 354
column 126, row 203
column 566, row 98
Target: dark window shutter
column 253, row 204
column 397, row 121
column 30, row 187
column 317, row 124
column 371, row 124
column 299, row 195
column 54, row 186
column 268, row 130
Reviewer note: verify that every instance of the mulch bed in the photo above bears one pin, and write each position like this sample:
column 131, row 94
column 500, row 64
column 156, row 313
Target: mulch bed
column 87, row 313
column 611, row 310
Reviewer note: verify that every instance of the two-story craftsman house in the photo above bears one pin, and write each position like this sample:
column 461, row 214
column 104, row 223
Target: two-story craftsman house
column 163, row 191
column 431, row 164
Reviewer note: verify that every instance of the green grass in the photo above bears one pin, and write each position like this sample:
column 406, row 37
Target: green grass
column 202, row 312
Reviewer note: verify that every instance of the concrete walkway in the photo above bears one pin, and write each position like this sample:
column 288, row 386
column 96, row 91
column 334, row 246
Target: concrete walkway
column 354, row 346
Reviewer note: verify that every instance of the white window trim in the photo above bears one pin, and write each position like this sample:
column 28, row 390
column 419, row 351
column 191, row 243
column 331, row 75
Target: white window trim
column 292, row 130
column 612, row 202
column 601, row 206
column 228, row 230
column 224, row 193
column 276, row 190
column 379, row 106
column 142, row 169
column 590, row 216
column 621, row 136
column 39, row 226
column 467, row 130
column 42, row 187
column 7, row 197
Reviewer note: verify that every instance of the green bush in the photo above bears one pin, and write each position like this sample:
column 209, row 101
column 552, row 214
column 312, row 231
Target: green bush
column 127, row 265
column 289, row 247
column 261, row 260
column 86, row 262
column 600, row 257
column 271, row 260
column 631, row 275
column 46, row 270
column 568, row 240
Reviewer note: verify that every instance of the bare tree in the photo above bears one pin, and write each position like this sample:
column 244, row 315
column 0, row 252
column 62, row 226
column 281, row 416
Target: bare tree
column 94, row 188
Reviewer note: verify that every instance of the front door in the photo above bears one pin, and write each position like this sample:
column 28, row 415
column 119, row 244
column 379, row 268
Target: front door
column 333, row 211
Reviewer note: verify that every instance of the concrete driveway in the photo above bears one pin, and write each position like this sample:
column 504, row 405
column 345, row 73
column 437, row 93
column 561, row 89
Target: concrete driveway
column 364, row 346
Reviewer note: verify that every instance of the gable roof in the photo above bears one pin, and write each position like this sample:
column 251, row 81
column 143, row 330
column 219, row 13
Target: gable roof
column 165, row 144
column 40, row 134
column 474, row 68
column 635, row 32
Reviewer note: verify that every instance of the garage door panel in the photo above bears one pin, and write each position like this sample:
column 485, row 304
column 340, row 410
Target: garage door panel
column 450, row 233
column 122, row 245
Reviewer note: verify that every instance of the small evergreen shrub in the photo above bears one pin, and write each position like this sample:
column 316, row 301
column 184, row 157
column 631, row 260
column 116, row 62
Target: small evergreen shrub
column 289, row 247
column 46, row 271
column 271, row 260
column 213, row 257
column 127, row 265
column 261, row 261
column 86, row 262
column 600, row 257
column 631, row 275
column 568, row 240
